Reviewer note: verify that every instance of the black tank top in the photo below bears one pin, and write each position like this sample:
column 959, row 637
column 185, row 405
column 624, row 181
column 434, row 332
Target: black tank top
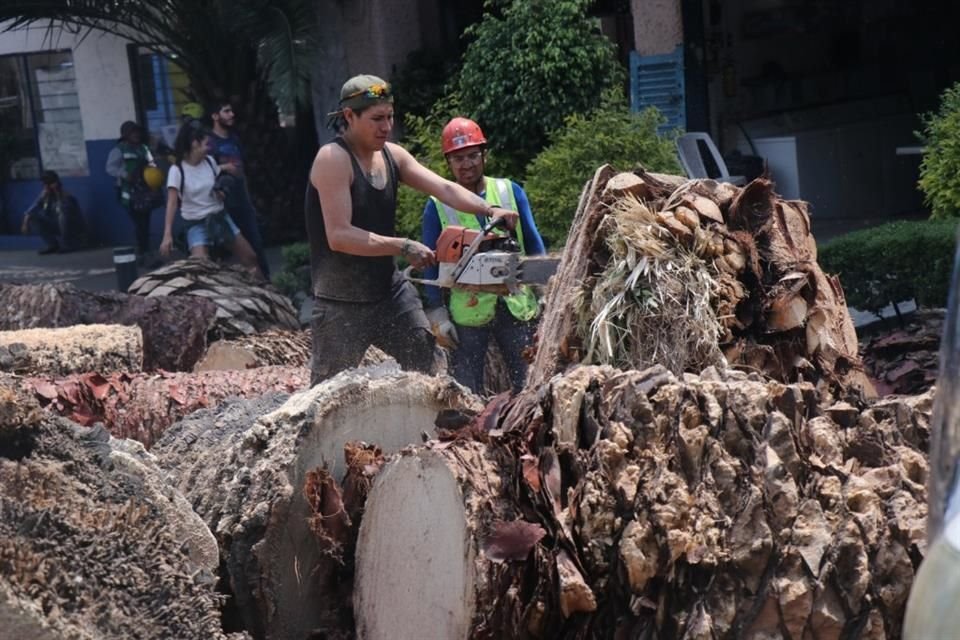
column 342, row 276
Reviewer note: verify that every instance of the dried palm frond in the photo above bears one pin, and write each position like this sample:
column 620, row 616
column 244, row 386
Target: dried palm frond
column 653, row 303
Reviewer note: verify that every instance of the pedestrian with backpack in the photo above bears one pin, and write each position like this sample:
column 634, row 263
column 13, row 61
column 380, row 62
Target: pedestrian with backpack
column 126, row 163
column 192, row 184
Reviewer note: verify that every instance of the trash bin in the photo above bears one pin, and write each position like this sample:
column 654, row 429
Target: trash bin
column 125, row 265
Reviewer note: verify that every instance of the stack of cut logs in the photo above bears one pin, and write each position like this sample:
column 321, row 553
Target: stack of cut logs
column 767, row 495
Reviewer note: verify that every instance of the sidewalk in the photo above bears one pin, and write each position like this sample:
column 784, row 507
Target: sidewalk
column 90, row 269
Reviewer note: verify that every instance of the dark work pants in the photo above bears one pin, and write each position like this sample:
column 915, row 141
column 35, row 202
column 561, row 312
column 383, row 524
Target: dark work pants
column 141, row 228
column 342, row 331
column 52, row 230
column 512, row 336
column 241, row 209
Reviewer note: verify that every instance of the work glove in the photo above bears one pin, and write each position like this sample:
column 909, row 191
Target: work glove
column 443, row 329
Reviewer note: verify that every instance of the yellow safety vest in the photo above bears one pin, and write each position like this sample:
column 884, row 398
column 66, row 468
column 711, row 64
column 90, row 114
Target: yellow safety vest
column 471, row 309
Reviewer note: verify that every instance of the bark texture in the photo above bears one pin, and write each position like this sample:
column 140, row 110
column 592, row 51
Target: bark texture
column 721, row 505
column 92, row 544
column 244, row 304
column 249, row 482
column 95, row 347
column 288, row 348
column 174, row 329
column 771, row 307
column 142, row 406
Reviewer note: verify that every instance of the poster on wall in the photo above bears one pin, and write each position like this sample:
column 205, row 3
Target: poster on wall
column 62, row 148
column 60, row 129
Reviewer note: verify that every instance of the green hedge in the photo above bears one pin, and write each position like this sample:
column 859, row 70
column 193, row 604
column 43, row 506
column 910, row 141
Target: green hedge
column 894, row 262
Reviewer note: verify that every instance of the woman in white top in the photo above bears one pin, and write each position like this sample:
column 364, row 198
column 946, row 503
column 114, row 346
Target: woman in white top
column 192, row 184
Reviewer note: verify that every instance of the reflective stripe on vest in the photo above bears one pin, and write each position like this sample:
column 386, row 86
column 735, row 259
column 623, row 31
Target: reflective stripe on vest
column 472, row 309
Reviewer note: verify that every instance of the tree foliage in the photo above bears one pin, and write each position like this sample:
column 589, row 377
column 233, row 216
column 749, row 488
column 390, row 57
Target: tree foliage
column 611, row 134
column 529, row 65
column 219, row 44
column 940, row 168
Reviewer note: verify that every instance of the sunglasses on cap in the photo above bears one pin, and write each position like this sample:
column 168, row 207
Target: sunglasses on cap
column 374, row 92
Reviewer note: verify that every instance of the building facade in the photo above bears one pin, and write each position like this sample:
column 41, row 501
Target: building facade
column 61, row 105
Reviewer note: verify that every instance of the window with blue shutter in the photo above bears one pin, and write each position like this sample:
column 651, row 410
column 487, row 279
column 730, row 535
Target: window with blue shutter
column 657, row 81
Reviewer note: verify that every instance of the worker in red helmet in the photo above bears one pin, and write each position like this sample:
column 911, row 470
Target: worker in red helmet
column 351, row 207
column 466, row 320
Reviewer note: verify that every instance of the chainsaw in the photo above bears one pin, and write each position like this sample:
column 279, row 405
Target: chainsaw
column 485, row 262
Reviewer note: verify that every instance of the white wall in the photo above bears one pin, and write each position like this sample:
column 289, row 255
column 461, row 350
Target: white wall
column 104, row 87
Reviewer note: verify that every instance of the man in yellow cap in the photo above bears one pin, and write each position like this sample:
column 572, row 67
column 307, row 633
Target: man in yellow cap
column 359, row 296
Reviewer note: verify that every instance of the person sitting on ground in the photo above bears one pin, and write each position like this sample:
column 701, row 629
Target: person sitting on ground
column 55, row 216
column 192, row 184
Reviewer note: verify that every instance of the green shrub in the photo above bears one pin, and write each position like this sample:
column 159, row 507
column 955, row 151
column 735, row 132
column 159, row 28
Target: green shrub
column 610, row 135
column 894, row 262
column 940, row 168
column 530, row 64
column 294, row 276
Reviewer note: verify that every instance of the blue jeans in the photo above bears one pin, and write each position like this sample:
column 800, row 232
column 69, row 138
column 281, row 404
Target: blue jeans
column 512, row 336
column 198, row 234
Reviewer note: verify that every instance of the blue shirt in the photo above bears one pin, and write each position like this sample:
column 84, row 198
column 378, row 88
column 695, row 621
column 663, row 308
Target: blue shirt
column 532, row 242
column 226, row 150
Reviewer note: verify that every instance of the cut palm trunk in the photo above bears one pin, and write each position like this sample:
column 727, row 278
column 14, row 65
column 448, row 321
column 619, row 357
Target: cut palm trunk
column 142, row 406
column 265, row 486
column 93, row 544
column 174, row 329
column 688, row 273
column 458, row 554
column 632, row 504
column 81, row 348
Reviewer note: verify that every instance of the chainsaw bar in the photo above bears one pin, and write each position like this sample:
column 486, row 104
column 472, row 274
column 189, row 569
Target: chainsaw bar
column 536, row 270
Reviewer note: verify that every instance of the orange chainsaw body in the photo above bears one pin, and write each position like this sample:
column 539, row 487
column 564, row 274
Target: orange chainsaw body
column 454, row 240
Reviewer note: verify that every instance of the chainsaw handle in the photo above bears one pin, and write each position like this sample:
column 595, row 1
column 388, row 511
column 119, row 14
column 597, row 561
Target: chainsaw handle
column 502, row 223
column 493, row 224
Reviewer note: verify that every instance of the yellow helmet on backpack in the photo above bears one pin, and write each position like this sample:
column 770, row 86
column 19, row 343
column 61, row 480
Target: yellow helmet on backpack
column 153, row 177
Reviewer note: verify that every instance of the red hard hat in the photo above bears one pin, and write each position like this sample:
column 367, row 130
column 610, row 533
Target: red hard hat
column 461, row 133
